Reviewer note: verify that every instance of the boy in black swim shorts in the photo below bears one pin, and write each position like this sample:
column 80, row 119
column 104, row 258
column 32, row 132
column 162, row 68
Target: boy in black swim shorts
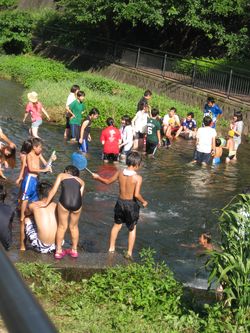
column 126, row 208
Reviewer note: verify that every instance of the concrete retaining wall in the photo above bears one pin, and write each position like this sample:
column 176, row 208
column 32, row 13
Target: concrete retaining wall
column 187, row 95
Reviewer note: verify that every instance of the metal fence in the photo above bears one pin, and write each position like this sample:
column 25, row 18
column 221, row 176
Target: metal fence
column 222, row 80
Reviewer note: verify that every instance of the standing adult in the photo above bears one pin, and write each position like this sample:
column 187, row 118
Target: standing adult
column 35, row 109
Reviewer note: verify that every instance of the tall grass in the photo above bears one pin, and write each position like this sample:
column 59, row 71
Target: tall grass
column 52, row 81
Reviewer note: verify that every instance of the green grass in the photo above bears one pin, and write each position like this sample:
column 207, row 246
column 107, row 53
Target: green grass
column 52, row 81
column 136, row 298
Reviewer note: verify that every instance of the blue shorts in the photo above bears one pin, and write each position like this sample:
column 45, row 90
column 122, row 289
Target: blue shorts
column 216, row 160
column 84, row 146
column 36, row 123
column 29, row 188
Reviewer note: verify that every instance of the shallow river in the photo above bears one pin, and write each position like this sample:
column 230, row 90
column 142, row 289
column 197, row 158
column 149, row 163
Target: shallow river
column 181, row 197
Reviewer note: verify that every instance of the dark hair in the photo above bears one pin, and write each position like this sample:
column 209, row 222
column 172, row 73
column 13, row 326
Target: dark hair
column 154, row 112
column 36, row 142
column 110, row 121
column 72, row 170
column 147, row 93
column 127, row 120
column 3, row 192
column 210, row 99
column 11, row 158
column 217, row 142
column 74, row 88
column 80, row 93
column 238, row 114
column 43, row 189
column 208, row 236
column 190, row 114
column 133, row 159
column 207, row 121
column 26, row 146
column 173, row 109
column 142, row 105
column 94, row 111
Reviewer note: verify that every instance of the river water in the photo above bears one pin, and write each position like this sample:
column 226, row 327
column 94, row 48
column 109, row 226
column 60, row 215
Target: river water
column 181, row 197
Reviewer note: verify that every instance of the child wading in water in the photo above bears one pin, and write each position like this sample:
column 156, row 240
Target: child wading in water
column 127, row 208
column 69, row 206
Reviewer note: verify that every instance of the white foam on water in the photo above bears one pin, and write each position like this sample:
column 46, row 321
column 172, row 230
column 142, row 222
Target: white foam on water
column 197, row 284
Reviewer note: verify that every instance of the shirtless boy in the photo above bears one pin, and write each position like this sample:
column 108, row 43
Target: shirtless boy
column 126, row 209
column 30, row 182
column 41, row 223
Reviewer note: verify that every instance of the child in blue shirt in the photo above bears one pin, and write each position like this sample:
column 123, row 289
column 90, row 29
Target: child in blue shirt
column 212, row 110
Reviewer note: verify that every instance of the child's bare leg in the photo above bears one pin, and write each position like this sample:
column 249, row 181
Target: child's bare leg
column 131, row 241
column 73, row 227
column 24, row 205
column 34, row 131
column 135, row 145
column 63, row 215
column 114, row 232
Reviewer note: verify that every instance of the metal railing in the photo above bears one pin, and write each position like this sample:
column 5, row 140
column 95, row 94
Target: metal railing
column 18, row 307
column 221, row 79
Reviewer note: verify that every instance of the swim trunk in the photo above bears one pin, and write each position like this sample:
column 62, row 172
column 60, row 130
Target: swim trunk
column 231, row 154
column 110, row 157
column 31, row 233
column 36, row 123
column 175, row 129
column 216, row 160
column 151, row 147
column 84, row 146
column 29, row 188
column 127, row 211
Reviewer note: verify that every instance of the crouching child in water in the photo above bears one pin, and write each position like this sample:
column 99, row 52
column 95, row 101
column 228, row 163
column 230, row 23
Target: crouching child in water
column 127, row 208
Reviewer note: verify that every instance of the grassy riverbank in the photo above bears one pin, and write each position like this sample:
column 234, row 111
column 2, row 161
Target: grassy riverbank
column 138, row 298
column 52, row 81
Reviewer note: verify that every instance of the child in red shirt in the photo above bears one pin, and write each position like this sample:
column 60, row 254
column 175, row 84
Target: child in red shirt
column 111, row 139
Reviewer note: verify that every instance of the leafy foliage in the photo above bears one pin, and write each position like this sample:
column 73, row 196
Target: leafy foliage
column 149, row 287
column 16, row 31
column 231, row 266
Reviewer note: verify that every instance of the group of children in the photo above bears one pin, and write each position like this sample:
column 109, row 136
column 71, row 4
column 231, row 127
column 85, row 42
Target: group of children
column 45, row 222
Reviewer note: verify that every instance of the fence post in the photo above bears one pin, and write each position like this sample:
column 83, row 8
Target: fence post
column 229, row 83
column 115, row 51
column 164, row 64
column 193, row 75
column 138, row 58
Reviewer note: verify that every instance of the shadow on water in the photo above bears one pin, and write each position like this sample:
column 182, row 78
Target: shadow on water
column 181, row 196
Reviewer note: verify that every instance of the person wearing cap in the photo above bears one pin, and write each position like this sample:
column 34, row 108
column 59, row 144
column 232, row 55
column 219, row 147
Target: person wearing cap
column 35, row 109
column 230, row 146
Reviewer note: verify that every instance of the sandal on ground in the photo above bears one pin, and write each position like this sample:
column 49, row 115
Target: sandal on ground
column 73, row 254
column 60, row 255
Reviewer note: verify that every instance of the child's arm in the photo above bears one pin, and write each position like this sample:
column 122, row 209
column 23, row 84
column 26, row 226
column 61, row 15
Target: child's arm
column 25, row 116
column 43, row 160
column 6, row 139
column 46, row 114
column 106, row 180
column 159, row 137
column 52, row 192
column 137, row 193
column 84, row 125
column 33, row 168
column 21, row 173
